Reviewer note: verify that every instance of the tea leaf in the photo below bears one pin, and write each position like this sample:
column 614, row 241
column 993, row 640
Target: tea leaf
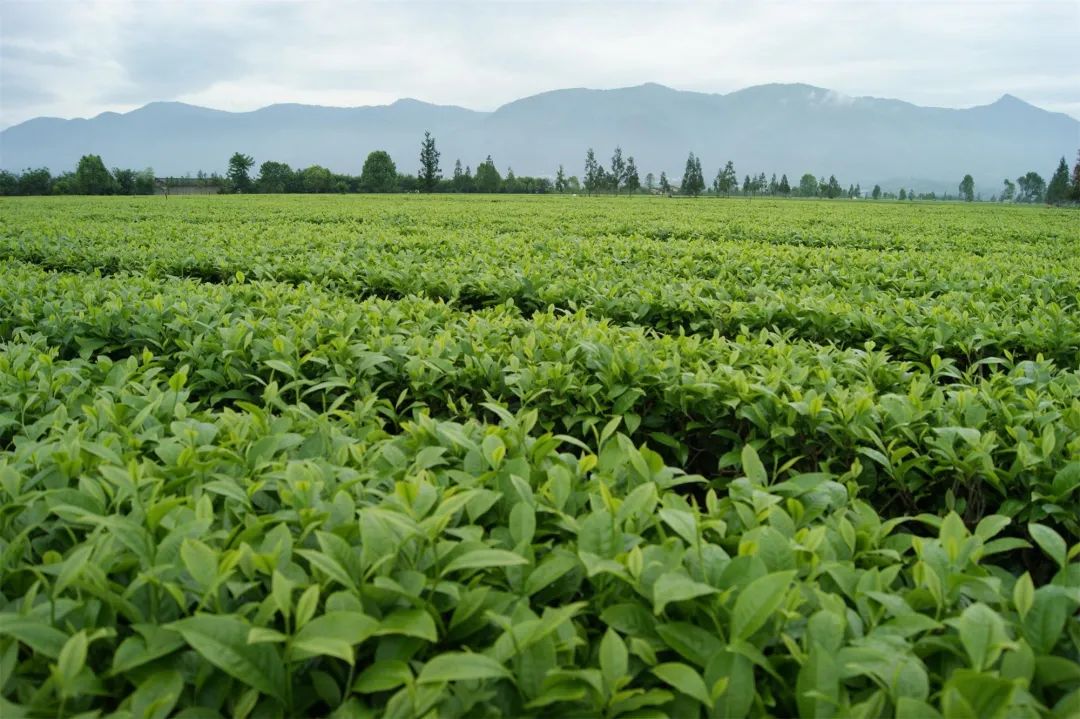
column 758, row 601
column 459, row 666
column 222, row 641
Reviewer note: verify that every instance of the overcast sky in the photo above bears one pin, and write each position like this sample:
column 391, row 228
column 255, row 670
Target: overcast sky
column 77, row 59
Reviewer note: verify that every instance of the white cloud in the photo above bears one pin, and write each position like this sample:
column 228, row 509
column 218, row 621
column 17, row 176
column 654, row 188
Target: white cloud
column 78, row 59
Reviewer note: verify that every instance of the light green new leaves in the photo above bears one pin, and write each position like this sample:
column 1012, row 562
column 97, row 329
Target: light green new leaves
column 752, row 466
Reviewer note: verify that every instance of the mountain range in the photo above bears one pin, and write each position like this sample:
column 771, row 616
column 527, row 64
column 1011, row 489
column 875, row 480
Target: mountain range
column 781, row 128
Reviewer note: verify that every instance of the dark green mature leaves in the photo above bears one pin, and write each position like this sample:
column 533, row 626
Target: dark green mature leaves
column 223, row 641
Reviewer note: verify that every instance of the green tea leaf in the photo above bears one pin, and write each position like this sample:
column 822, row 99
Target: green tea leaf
column 685, row 679
column 383, row 676
column 409, row 622
column 676, row 587
column 71, row 661
column 982, row 633
column 613, row 659
column 157, row 695
column 758, row 601
column 222, row 641
column 1050, row 542
column 333, row 634
column 818, row 685
column 483, row 559
column 39, row 636
column 461, row 666
column 200, row 561
column 752, row 466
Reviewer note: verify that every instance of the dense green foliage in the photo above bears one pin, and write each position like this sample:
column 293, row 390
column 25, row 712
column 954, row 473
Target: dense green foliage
column 537, row 457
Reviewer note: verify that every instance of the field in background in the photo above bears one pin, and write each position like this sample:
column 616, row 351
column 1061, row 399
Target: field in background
column 538, row 456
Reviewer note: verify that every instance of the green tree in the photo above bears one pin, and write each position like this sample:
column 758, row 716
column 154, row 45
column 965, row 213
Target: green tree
column 510, row 183
column 665, row 186
column 560, row 180
column 1032, row 188
column 808, row 186
column 457, row 180
column 1075, row 187
column 91, row 177
column 36, row 181
column 379, row 173
column 487, row 177
column 1057, row 191
column 726, row 181
column 125, row 181
column 64, row 184
column 832, row 188
column 9, row 183
column 618, row 167
column 594, row 175
column 693, row 182
column 774, row 186
column 630, row 178
column 1009, row 193
column 144, row 182
column 876, row 194
column 317, row 179
column 407, row 183
column 903, row 194
column 429, row 174
column 239, row 165
column 276, row 178
column 967, row 188
column 650, row 182
column 785, row 188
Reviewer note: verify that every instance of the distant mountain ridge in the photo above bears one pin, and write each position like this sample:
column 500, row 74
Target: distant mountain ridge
column 781, row 128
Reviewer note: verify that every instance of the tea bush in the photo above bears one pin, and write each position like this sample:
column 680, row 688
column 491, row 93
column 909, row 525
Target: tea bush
column 402, row 457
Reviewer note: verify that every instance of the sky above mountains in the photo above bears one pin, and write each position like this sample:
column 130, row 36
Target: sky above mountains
column 70, row 59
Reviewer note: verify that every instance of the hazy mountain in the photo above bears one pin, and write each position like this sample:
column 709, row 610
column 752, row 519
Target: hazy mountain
column 771, row 128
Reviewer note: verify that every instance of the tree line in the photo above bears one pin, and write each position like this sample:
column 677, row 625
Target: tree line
column 621, row 176
column 90, row 177
column 1032, row 188
column 380, row 174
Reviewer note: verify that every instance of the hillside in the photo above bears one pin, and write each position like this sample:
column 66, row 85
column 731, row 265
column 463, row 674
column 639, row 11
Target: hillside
column 773, row 128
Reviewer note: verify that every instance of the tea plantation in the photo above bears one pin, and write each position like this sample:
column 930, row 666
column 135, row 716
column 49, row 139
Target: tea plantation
column 538, row 457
